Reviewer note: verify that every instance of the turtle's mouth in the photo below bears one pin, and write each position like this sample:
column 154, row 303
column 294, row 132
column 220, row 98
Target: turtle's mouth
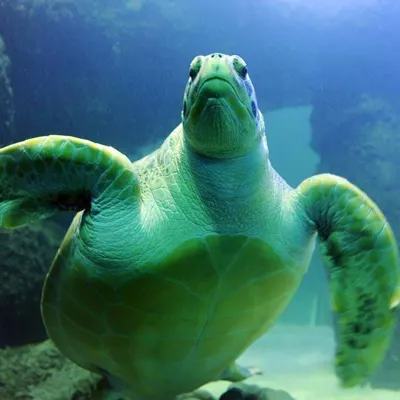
column 216, row 95
column 216, row 87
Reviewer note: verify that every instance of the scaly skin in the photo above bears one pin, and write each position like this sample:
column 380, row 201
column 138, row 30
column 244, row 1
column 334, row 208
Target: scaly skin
column 41, row 176
column 178, row 262
column 361, row 254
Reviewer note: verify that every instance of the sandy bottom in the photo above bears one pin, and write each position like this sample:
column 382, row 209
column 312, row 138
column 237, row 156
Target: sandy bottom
column 299, row 360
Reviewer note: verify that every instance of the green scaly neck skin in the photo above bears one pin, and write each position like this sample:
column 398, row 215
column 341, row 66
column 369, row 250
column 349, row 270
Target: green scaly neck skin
column 223, row 130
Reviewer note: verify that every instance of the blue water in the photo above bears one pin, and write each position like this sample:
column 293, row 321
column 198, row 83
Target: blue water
column 115, row 73
column 136, row 63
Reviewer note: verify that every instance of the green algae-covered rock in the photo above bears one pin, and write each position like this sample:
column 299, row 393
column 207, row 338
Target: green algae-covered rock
column 7, row 110
column 26, row 255
column 244, row 391
column 40, row 372
column 221, row 390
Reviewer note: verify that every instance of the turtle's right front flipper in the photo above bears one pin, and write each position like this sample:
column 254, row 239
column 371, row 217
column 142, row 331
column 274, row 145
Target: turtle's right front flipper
column 45, row 175
column 362, row 258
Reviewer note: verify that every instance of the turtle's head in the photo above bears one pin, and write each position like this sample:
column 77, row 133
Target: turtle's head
column 220, row 115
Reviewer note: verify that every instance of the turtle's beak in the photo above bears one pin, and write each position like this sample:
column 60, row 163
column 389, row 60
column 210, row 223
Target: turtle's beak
column 217, row 95
column 215, row 87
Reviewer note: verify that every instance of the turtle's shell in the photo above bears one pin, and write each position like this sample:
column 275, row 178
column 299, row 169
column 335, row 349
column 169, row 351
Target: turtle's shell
column 176, row 324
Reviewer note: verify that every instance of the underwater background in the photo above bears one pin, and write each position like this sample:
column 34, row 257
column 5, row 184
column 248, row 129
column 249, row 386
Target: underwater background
column 327, row 78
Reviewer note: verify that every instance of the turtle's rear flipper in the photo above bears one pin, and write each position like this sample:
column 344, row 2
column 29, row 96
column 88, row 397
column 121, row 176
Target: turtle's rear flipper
column 363, row 265
column 44, row 175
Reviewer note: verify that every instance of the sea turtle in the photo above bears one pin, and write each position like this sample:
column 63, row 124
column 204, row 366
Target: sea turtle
column 176, row 263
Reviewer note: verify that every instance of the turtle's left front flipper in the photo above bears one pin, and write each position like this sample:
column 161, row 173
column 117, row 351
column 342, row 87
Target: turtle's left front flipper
column 45, row 175
column 363, row 264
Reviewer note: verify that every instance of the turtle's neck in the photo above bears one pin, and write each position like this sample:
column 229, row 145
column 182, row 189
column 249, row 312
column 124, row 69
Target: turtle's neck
column 230, row 179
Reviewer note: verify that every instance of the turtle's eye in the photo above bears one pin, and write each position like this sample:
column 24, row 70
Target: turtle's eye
column 195, row 67
column 240, row 66
column 193, row 73
column 243, row 72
